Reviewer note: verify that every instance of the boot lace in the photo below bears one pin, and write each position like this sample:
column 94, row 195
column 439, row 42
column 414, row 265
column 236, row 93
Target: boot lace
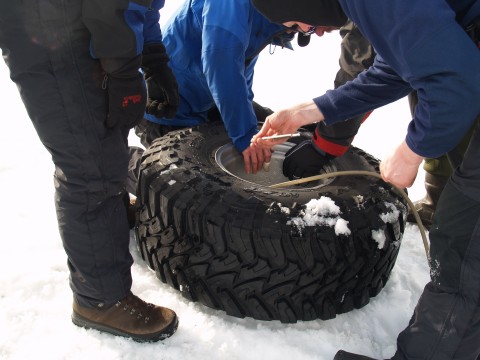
column 131, row 308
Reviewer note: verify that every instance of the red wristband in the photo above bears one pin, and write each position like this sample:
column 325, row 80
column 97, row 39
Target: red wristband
column 328, row 146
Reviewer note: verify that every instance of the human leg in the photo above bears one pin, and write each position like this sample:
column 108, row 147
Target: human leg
column 261, row 112
column 45, row 45
column 446, row 316
column 446, row 321
column 67, row 108
column 437, row 172
column 434, row 184
column 356, row 55
column 148, row 131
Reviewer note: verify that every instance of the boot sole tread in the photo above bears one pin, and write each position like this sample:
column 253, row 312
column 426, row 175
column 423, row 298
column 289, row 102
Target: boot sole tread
column 81, row 321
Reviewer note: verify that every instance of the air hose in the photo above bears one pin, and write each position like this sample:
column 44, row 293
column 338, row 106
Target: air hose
column 365, row 173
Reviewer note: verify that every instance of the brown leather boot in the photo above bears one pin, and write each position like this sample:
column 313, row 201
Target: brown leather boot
column 130, row 317
column 434, row 185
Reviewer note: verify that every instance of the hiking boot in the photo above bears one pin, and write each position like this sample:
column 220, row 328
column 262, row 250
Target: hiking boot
column 425, row 207
column 343, row 355
column 131, row 317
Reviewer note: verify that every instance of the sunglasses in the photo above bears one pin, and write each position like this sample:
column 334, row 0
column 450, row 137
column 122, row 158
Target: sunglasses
column 309, row 31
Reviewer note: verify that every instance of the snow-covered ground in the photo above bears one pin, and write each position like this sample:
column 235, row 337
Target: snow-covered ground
column 35, row 298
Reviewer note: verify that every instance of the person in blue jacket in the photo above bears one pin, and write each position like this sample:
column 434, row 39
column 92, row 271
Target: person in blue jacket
column 213, row 48
column 76, row 64
column 424, row 46
column 213, row 54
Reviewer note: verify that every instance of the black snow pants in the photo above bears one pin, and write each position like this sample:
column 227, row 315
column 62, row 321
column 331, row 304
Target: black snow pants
column 446, row 321
column 46, row 47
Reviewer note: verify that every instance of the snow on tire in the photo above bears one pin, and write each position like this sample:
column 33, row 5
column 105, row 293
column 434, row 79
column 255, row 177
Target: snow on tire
column 231, row 242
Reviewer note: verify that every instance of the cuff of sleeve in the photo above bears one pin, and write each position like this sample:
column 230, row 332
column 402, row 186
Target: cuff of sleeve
column 326, row 147
column 423, row 151
column 325, row 105
column 243, row 142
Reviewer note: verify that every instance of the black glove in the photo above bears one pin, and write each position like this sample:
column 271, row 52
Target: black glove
column 304, row 160
column 161, row 83
column 127, row 94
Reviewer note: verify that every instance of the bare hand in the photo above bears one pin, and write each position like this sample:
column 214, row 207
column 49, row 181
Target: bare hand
column 401, row 167
column 287, row 122
column 254, row 157
column 279, row 123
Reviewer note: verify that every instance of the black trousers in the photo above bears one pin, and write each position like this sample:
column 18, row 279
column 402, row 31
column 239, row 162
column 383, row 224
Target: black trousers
column 46, row 47
column 446, row 321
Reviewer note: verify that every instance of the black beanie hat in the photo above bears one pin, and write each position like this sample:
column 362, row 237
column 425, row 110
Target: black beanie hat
column 311, row 12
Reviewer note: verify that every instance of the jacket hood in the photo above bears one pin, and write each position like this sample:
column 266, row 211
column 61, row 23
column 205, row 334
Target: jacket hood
column 311, row 12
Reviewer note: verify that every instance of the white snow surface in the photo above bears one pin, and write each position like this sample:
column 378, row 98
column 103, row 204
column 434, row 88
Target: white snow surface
column 35, row 297
column 322, row 211
column 391, row 216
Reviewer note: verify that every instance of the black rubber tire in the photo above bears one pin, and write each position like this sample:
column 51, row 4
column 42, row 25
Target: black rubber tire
column 232, row 246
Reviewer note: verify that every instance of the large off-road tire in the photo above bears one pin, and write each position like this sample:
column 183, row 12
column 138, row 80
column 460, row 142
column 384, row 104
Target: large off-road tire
column 233, row 243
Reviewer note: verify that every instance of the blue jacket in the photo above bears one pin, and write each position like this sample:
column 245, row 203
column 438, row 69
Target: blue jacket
column 213, row 47
column 120, row 28
column 437, row 59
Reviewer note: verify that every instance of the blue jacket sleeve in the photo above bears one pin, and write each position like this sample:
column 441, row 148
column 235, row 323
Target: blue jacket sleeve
column 225, row 38
column 425, row 46
column 377, row 86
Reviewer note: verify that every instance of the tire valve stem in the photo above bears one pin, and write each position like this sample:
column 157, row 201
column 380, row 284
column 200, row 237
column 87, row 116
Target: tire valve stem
column 266, row 166
column 282, row 136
